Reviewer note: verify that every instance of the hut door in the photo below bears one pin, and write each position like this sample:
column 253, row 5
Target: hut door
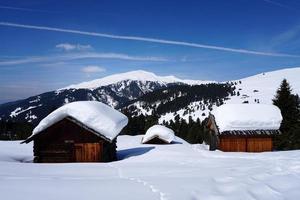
column 88, row 152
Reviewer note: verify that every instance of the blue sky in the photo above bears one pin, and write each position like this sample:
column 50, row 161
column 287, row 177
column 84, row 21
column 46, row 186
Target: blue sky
column 209, row 39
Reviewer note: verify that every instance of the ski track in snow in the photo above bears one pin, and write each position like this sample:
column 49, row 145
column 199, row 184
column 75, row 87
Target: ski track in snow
column 162, row 196
column 256, row 188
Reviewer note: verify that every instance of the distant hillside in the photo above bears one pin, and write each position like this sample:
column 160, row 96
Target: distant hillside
column 177, row 98
column 115, row 90
column 263, row 86
column 144, row 92
column 260, row 88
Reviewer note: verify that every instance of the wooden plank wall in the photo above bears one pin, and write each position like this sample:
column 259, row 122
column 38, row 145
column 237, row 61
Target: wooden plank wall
column 65, row 141
column 88, row 152
column 245, row 144
column 233, row 144
column 259, row 144
column 54, row 153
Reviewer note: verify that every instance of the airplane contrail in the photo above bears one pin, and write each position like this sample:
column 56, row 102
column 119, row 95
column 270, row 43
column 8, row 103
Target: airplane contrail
column 146, row 39
column 24, row 9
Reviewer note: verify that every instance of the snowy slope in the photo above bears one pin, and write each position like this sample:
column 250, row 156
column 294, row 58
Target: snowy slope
column 263, row 86
column 165, row 172
column 138, row 75
column 196, row 110
column 259, row 88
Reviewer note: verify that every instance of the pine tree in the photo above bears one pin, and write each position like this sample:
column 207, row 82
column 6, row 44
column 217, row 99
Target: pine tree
column 290, row 111
column 192, row 133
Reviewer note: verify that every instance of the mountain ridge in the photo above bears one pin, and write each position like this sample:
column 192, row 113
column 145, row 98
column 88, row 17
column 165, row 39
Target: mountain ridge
column 259, row 88
column 137, row 75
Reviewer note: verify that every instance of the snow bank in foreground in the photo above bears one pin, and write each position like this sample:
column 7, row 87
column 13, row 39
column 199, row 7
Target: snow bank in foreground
column 173, row 172
column 247, row 117
column 95, row 115
column 159, row 131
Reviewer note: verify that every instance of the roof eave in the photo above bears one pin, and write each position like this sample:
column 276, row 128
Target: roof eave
column 30, row 138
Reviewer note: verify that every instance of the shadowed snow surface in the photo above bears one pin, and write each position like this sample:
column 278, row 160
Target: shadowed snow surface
column 175, row 171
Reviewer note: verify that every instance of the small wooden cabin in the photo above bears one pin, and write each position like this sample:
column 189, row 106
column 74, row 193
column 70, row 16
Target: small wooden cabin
column 158, row 134
column 78, row 132
column 247, row 133
column 156, row 140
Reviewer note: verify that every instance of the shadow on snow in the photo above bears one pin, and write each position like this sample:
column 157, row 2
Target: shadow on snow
column 127, row 153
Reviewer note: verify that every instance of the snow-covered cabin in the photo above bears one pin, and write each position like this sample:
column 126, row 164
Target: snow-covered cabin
column 158, row 134
column 83, row 131
column 243, row 127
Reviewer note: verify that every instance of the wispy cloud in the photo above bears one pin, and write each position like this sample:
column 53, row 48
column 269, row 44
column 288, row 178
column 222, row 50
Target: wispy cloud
column 119, row 56
column 286, row 37
column 279, row 4
column 76, row 56
column 146, row 39
column 91, row 69
column 71, row 47
column 23, row 9
column 23, row 60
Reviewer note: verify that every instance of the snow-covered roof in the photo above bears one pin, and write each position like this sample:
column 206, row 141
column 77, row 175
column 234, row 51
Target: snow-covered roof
column 97, row 116
column 159, row 131
column 231, row 117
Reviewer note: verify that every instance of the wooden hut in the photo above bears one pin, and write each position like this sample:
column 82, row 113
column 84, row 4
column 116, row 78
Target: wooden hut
column 243, row 127
column 158, row 134
column 78, row 132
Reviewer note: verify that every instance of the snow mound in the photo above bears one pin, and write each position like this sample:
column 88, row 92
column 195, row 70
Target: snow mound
column 231, row 117
column 101, row 118
column 200, row 147
column 138, row 75
column 159, row 131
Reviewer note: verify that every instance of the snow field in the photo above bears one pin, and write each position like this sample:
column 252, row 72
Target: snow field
column 175, row 171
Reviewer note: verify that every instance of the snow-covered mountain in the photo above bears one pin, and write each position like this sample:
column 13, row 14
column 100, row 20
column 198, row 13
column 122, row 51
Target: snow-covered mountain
column 115, row 90
column 260, row 88
column 140, row 76
column 132, row 88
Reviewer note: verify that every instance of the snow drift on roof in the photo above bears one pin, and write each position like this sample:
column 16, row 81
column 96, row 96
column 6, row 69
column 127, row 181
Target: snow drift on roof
column 159, row 131
column 247, row 117
column 103, row 119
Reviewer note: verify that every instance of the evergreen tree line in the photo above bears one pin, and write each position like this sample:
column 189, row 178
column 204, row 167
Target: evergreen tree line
column 289, row 104
column 172, row 99
column 191, row 131
column 178, row 97
column 15, row 130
